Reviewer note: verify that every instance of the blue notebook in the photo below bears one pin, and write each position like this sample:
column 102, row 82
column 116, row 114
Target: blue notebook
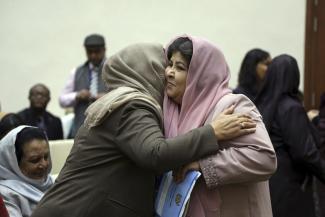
column 172, row 198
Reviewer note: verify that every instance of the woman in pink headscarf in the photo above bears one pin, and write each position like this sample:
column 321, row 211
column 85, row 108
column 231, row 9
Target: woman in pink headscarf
column 234, row 181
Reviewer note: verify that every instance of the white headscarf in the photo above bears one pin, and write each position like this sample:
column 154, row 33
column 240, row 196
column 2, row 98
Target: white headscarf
column 11, row 175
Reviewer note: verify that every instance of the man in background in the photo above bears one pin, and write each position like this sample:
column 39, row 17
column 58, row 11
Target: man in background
column 36, row 115
column 85, row 83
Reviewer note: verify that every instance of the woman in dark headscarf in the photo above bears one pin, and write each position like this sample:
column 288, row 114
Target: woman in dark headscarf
column 291, row 135
column 252, row 73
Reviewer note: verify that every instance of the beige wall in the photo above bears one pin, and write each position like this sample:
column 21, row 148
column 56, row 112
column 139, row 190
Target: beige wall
column 41, row 40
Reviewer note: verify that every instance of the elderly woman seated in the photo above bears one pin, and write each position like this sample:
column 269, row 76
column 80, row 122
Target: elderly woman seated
column 25, row 165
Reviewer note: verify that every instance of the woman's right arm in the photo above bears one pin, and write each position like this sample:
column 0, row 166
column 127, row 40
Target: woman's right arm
column 140, row 137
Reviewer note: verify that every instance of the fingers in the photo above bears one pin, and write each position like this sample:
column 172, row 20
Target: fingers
column 83, row 94
column 240, row 115
column 180, row 174
column 245, row 120
column 228, row 125
column 243, row 132
column 229, row 110
column 176, row 175
column 247, row 125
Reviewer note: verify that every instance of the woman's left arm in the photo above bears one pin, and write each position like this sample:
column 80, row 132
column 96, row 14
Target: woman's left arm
column 248, row 158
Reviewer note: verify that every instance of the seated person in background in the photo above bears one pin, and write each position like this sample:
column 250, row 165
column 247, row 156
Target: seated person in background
column 252, row 73
column 85, row 83
column 25, row 165
column 36, row 115
column 9, row 122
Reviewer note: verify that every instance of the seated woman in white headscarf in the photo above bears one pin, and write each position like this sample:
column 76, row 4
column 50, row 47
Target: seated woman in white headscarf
column 25, row 164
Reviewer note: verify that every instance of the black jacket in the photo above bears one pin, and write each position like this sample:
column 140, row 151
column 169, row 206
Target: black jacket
column 53, row 125
column 298, row 159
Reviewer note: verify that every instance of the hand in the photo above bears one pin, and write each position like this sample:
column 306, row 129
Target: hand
column 179, row 174
column 312, row 113
column 83, row 95
column 92, row 98
column 100, row 95
column 228, row 125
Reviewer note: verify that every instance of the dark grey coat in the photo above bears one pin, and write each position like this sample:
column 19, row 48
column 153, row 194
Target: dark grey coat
column 111, row 168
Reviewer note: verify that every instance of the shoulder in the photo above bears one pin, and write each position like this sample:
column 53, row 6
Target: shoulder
column 82, row 66
column 54, row 119
column 133, row 110
column 288, row 105
column 81, row 69
column 17, row 204
column 140, row 106
column 50, row 115
column 24, row 113
column 9, row 194
column 242, row 103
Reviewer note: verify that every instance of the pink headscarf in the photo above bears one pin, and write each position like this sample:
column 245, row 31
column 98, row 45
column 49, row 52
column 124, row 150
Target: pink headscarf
column 207, row 81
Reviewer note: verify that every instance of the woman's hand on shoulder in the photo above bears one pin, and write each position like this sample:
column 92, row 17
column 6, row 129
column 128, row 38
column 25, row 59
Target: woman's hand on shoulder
column 228, row 125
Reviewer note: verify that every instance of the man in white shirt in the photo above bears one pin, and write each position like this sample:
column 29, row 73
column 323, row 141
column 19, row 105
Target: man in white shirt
column 85, row 85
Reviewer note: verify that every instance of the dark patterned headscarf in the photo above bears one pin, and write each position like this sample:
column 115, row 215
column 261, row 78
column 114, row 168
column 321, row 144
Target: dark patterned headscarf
column 282, row 79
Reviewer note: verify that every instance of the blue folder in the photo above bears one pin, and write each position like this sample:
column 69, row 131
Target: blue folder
column 172, row 197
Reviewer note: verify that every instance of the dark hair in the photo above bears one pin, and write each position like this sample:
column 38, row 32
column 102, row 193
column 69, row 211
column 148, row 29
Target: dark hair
column 184, row 46
column 39, row 85
column 9, row 122
column 247, row 78
column 26, row 135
